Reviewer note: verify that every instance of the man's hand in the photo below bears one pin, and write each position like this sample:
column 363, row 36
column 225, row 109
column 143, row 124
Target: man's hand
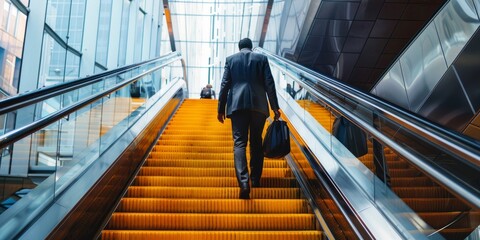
column 277, row 114
column 221, row 117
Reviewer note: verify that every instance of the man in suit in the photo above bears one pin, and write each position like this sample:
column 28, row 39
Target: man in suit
column 246, row 82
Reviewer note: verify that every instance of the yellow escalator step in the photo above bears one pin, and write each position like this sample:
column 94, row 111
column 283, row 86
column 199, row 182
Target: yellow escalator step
column 213, row 205
column 187, row 189
column 211, row 221
column 210, row 235
column 198, row 192
column 217, row 172
column 172, row 181
column 203, row 163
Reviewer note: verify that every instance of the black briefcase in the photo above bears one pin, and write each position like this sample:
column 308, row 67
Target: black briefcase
column 276, row 143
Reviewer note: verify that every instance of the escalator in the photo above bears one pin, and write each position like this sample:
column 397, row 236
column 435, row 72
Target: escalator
column 187, row 189
column 433, row 203
column 163, row 168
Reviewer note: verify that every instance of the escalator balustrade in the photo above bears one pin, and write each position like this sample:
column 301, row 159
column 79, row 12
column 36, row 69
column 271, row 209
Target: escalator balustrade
column 433, row 203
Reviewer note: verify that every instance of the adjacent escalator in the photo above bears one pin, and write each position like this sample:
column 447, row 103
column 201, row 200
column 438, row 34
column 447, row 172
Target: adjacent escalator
column 433, row 203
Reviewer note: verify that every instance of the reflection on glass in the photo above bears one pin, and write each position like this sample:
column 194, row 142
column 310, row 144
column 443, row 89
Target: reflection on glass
column 455, row 24
column 12, row 34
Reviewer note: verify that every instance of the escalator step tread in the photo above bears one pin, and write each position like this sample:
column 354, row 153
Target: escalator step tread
column 212, row 221
column 211, row 235
column 213, row 205
column 172, row 181
column 217, row 172
column 212, row 192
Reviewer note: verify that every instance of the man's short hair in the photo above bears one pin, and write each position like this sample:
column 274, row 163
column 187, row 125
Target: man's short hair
column 245, row 43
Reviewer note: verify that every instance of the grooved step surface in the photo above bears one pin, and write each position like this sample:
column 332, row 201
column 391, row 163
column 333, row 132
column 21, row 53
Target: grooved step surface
column 187, row 189
column 209, row 235
column 210, row 221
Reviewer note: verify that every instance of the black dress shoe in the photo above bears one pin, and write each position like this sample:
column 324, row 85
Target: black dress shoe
column 244, row 193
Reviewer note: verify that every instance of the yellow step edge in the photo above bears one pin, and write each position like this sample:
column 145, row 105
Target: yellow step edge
column 212, row 221
column 171, row 181
column 168, row 205
column 210, row 193
column 210, row 235
column 218, row 172
column 204, row 163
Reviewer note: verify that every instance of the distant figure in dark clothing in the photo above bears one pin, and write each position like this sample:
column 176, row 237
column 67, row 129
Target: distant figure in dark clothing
column 207, row 92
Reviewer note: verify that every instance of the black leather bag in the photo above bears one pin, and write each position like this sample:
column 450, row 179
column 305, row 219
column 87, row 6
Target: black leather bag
column 276, row 143
column 351, row 136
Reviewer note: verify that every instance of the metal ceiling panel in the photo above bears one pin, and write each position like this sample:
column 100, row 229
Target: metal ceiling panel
column 354, row 45
column 368, row 10
column 361, row 28
column 395, row 45
column 327, row 58
column 392, row 10
column 345, row 65
column 334, row 28
column 371, row 52
column 383, row 28
column 337, row 10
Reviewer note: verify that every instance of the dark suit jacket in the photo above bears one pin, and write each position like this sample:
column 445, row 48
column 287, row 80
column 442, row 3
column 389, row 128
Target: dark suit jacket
column 246, row 82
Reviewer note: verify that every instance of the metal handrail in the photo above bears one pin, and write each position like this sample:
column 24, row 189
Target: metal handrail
column 28, row 98
column 443, row 138
column 17, row 134
column 451, row 141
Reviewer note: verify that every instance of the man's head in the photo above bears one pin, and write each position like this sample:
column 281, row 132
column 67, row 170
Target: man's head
column 245, row 43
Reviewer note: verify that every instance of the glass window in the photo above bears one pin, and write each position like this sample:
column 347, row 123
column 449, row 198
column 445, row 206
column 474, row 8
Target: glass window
column 103, row 31
column 53, row 61
column 77, row 17
column 4, row 19
column 122, row 53
column 12, row 21
column 21, row 24
column 216, row 27
column 58, row 15
column 25, row 2
column 139, row 36
column 9, row 68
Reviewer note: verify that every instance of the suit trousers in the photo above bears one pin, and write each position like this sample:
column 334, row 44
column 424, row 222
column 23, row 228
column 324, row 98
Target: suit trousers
column 243, row 123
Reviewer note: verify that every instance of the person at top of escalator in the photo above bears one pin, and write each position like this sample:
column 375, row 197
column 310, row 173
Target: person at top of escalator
column 207, row 92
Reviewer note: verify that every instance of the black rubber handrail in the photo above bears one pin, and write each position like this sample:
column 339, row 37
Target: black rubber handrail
column 31, row 97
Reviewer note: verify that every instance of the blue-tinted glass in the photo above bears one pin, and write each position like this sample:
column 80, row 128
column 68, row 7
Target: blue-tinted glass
column 122, row 52
column 139, row 36
column 210, row 32
column 103, row 31
column 58, row 15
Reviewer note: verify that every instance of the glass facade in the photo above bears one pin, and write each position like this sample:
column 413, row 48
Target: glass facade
column 209, row 31
column 66, row 40
column 12, row 34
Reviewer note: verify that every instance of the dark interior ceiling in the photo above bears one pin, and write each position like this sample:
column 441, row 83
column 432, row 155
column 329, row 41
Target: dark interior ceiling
column 355, row 41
